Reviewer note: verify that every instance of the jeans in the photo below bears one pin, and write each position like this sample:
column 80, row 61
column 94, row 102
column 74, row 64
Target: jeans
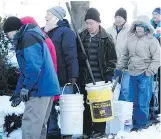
column 140, row 94
column 124, row 93
column 124, row 82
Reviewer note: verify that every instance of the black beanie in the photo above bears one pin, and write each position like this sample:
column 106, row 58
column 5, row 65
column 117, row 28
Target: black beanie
column 121, row 12
column 11, row 24
column 93, row 14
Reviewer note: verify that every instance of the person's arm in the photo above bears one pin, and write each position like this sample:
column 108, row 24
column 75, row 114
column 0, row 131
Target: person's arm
column 123, row 62
column 70, row 53
column 19, row 84
column 111, row 57
column 155, row 55
column 33, row 56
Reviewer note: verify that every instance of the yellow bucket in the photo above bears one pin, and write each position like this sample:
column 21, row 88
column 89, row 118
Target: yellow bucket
column 100, row 101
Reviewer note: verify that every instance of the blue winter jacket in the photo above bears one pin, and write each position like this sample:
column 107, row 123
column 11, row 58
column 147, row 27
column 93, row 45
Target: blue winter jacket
column 157, row 28
column 64, row 40
column 37, row 71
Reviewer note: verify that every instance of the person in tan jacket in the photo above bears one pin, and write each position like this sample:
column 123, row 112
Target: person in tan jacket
column 142, row 56
column 119, row 32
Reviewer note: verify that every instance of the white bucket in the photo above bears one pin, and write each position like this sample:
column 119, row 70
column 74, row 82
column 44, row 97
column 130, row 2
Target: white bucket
column 70, row 99
column 2, row 115
column 71, row 113
column 123, row 112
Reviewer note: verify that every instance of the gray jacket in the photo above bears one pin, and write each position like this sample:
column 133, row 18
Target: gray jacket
column 140, row 53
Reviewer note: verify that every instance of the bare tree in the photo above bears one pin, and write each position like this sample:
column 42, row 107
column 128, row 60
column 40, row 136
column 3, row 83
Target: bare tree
column 79, row 9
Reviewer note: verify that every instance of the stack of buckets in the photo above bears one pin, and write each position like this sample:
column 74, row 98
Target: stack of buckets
column 2, row 115
column 123, row 112
column 71, row 113
column 100, row 101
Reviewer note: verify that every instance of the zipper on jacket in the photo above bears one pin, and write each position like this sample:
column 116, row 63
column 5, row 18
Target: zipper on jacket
column 90, row 40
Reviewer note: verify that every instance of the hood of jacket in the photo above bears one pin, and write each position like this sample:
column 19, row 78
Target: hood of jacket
column 30, row 28
column 63, row 23
column 142, row 20
column 28, row 20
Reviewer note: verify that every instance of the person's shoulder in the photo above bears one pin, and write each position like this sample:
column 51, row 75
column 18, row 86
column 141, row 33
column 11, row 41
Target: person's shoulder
column 65, row 30
column 30, row 39
column 110, row 29
column 154, row 40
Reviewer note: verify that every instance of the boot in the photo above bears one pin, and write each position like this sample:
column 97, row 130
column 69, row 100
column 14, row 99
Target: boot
column 67, row 137
column 99, row 136
column 83, row 137
column 50, row 136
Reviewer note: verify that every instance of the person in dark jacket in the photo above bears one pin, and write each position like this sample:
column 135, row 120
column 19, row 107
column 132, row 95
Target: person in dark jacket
column 64, row 40
column 38, row 81
column 100, row 51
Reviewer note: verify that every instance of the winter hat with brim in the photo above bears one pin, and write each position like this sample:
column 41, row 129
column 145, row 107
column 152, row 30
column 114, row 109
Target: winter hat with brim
column 58, row 11
column 121, row 12
column 12, row 24
column 157, row 10
column 93, row 14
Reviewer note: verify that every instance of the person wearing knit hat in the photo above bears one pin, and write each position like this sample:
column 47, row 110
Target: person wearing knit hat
column 119, row 31
column 64, row 39
column 120, row 17
column 92, row 19
column 140, row 45
column 58, row 11
column 37, row 78
column 92, row 13
column 11, row 26
column 157, row 10
column 100, row 52
column 53, row 15
column 156, row 22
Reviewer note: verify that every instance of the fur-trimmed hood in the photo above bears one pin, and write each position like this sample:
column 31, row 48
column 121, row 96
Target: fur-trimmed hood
column 142, row 20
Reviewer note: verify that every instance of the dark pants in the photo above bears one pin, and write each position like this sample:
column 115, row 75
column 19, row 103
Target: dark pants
column 88, row 126
column 53, row 127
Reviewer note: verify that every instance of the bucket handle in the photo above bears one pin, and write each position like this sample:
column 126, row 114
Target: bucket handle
column 70, row 84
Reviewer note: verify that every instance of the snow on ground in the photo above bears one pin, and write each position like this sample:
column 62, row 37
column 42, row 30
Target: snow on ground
column 6, row 106
column 15, row 135
column 153, row 132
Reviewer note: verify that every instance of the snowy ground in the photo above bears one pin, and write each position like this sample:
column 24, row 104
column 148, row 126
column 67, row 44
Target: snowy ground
column 153, row 132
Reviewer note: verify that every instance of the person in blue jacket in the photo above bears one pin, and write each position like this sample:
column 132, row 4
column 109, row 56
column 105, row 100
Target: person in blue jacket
column 64, row 39
column 38, row 81
column 156, row 22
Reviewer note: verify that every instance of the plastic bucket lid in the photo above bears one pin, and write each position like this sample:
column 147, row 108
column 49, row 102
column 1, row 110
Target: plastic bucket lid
column 68, row 109
column 100, row 83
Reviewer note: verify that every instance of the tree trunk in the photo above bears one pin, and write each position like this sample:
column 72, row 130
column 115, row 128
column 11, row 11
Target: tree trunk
column 79, row 9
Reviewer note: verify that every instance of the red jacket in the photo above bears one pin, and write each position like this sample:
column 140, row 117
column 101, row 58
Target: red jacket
column 31, row 20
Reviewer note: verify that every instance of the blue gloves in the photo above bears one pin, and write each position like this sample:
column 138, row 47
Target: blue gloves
column 117, row 73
